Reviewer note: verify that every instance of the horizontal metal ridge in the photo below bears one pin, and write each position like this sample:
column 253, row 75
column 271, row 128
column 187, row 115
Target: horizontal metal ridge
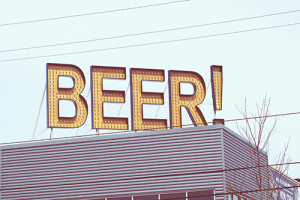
column 123, row 137
column 210, row 180
column 45, row 182
column 114, row 150
column 239, row 140
column 101, row 144
column 233, row 153
column 92, row 176
column 66, row 171
column 126, row 160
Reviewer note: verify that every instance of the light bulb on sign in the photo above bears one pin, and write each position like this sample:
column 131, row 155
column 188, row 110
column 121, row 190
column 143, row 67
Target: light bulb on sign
column 138, row 98
column 54, row 94
column 217, row 90
column 99, row 96
column 189, row 102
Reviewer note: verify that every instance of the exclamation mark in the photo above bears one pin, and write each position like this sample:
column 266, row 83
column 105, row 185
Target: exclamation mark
column 217, row 90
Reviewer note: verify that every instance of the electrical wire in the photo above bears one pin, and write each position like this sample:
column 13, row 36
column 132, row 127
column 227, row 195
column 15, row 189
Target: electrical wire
column 277, row 115
column 138, row 178
column 94, row 13
column 229, row 120
column 150, row 32
column 152, row 43
column 153, row 129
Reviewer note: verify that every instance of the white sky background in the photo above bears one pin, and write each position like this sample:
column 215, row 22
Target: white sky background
column 254, row 63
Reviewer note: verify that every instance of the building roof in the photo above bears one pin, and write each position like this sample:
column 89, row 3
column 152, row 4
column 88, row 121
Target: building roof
column 285, row 175
column 114, row 135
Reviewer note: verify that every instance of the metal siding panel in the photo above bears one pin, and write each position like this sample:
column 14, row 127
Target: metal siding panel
column 209, row 144
column 237, row 156
column 124, row 187
column 116, row 136
column 99, row 144
column 113, row 165
column 223, row 162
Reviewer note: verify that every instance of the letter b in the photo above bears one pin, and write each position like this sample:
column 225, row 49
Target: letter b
column 55, row 94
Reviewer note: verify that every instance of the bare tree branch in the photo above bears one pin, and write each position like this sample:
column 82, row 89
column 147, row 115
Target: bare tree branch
column 258, row 141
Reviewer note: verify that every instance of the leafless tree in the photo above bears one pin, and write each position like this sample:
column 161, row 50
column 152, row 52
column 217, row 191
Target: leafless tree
column 258, row 136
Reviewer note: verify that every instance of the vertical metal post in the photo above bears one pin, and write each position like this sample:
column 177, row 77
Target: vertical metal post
column 160, row 105
column 92, row 111
column 125, row 99
column 37, row 119
column 51, row 133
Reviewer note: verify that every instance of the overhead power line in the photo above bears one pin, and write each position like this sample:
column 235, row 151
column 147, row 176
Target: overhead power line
column 153, row 43
column 153, row 129
column 94, row 13
column 277, row 115
column 231, row 120
column 149, row 32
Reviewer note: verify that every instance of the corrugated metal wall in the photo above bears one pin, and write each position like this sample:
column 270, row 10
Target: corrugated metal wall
column 238, row 155
column 113, row 165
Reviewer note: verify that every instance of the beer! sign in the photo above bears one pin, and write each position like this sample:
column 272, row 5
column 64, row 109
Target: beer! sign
column 138, row 97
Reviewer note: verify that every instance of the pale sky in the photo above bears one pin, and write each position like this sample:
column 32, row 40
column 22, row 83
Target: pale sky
column 254, row 63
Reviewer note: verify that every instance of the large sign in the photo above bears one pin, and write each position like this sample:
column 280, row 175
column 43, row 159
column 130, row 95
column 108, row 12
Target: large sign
column 138, row 97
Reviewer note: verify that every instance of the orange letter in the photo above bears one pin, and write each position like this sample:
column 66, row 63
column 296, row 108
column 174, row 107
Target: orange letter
column 138, row 98
column 217, row 86
column 99, row 96
column 55, row 94
column 189, row 102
